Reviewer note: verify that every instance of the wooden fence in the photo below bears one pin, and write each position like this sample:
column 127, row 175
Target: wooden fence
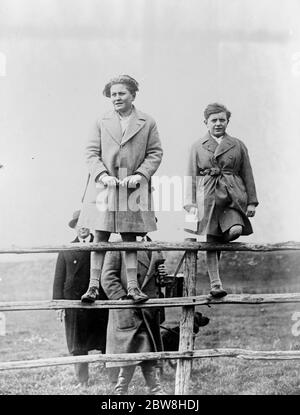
column 186, row 352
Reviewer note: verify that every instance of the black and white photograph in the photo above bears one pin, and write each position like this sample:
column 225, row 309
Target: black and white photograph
column 149, row 209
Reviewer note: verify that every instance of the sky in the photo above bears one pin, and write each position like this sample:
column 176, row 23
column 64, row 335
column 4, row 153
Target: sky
column 56, row 56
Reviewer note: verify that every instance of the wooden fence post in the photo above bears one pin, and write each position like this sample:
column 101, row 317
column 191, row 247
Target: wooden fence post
column 186, row 342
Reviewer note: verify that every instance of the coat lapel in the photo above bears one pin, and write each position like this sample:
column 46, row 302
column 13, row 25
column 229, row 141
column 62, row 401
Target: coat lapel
column 226, row 144
column 113, row 126
column 136, row 123
column 209, row 143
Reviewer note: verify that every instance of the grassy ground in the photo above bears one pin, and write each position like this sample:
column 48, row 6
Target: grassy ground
column 38, row 334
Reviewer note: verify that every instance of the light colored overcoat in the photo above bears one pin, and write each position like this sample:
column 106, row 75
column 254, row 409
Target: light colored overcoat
column 221, row 198
column 124, row 324
column 121, row 209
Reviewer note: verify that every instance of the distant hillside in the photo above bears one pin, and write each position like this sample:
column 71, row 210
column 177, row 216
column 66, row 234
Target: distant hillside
column 28, row 280
column 241, row 272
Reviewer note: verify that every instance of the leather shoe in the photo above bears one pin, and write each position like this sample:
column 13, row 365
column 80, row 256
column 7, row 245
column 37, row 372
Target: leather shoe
column 217, row 292
column 136, row 295
column 91, row 295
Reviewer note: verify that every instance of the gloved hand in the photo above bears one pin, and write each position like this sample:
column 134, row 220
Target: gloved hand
column 108, row 180
column 131, row 181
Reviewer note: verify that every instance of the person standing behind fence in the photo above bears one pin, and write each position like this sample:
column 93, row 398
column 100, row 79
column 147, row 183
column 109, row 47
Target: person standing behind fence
column 85, row 329
column 123, row 152
column 222, row 192
column 132, row 330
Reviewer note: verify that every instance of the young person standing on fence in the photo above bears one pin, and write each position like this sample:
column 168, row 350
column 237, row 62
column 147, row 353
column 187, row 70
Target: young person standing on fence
column 222, row 192
column 132, row 330
column 123, row 152
column 85, row 329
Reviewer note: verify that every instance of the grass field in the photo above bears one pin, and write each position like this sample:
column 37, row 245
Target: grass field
column 38, row 334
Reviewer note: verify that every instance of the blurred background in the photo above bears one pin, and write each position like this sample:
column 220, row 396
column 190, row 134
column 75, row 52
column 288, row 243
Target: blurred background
column 56, row 56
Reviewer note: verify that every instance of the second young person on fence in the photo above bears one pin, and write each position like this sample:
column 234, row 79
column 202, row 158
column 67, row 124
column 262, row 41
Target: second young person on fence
column 222, row 192
column 123, row 152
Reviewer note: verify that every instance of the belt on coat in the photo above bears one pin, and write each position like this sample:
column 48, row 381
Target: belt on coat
column 216, row 171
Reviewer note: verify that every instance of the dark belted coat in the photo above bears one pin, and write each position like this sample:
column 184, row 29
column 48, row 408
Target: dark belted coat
column 124, row 324
column 221, row 185
column 85, row 329
column 119, row 209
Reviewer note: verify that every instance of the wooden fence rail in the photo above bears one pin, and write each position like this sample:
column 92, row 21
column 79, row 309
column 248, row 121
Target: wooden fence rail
column 155, row 246
column 182, row 355
column 196, row 300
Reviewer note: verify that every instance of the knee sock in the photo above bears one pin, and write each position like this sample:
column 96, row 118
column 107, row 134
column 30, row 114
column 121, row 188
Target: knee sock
column 213, row 268
column 131, row 269
column 97, row 259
